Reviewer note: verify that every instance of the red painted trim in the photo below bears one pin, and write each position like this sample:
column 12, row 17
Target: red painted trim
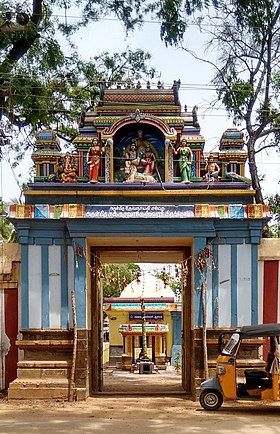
column 148, row 119
column 81, row 166
column 198, row 163
column 270, row 295
column 11, row 329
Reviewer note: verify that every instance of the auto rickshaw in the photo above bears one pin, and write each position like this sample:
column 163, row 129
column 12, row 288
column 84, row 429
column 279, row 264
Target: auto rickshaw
column 259, row 384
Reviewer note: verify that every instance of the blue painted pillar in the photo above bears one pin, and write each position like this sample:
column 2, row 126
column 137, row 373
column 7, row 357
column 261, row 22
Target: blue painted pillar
column 233, row 272
column 24, row 287
column 79, row 246
column 64, row 287
column 215, row 286
column 177, row 327
column 199, row 244
column 254, row 284
column 176, row 335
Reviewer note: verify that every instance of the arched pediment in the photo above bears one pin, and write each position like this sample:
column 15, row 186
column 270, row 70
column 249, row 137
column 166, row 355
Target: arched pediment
column 140, row 119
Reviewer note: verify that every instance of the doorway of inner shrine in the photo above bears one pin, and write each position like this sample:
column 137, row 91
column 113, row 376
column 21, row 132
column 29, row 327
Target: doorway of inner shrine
column 156, row 339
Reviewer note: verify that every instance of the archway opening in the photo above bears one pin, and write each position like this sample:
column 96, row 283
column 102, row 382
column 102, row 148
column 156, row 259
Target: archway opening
column 118, row 369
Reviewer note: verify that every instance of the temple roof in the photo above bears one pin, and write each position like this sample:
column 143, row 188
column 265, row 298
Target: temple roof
column 147, row 286
column 157, row 101
column 138, row 96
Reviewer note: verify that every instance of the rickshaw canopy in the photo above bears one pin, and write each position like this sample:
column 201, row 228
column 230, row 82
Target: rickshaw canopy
column 260, row 330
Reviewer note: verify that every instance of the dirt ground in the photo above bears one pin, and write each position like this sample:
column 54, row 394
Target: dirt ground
column 118, row 411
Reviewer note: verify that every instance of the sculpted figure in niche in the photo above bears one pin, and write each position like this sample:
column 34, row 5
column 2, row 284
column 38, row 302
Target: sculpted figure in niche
column 141, row 143
column 132, row 162
column 148, row 161
column 212, row 170
column 94, row 160
column 67, row 169
column 185, row 161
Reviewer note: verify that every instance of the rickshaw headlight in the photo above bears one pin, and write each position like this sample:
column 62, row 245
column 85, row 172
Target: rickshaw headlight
column 221, row 370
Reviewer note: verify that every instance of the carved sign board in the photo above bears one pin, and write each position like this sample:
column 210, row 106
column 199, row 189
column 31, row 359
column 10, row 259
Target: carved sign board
column 139, row 211
column 148, row 316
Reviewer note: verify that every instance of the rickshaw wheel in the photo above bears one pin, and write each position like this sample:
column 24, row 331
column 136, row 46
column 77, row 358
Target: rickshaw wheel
column 211, row 399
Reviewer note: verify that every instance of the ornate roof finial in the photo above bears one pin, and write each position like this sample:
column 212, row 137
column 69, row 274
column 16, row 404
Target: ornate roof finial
column 175, row 87
column 138, row 86
column 148, row 85
column 194, row 113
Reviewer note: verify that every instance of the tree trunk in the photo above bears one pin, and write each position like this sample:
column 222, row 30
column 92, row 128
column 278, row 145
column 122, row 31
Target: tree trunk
column 204, row 330
column 254, row 171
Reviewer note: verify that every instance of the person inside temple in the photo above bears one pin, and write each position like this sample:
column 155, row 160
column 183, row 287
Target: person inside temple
column 185, row 161
column 94, row 160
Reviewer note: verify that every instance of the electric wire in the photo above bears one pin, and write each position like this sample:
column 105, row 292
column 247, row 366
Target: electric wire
column 152, row 21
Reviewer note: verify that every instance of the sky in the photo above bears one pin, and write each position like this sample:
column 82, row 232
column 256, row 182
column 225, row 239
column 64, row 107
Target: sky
column 174, row 64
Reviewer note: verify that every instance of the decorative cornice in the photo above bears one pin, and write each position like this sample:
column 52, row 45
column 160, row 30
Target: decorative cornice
column 136, row 193
column 141, row 118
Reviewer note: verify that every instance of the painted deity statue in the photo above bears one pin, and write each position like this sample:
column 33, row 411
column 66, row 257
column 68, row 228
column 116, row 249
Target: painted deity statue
column 67, row 169
column 212, row 170
column 136, row 159
column 185, row 161
column 94, row 160
column 148, row 161
column 132, row 162
column 141, row 143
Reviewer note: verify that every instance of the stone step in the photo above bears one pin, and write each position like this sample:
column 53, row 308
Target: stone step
column 48, row 364
column 29, row 373
column 44, row 343
column 39, row 393
column 31, row 383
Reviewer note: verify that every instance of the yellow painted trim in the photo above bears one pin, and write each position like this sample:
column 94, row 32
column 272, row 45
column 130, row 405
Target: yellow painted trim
column 154, row 193
column 166, row 174
column 111, row 164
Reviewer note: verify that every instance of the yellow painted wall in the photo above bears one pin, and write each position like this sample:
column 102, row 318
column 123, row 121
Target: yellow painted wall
column 105, row 352
column 115, row 338
column 168, row 320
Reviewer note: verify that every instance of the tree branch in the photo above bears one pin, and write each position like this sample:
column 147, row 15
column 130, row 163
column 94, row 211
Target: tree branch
column 275, row 145
column 265, row 133
column 22, row 45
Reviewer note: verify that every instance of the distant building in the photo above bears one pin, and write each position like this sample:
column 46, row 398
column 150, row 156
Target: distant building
column 162, row 319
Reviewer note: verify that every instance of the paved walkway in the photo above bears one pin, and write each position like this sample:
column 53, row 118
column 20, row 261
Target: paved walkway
column 161, row 382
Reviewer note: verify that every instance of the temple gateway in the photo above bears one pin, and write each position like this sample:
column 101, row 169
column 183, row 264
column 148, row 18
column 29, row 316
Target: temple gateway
column 138, row 187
